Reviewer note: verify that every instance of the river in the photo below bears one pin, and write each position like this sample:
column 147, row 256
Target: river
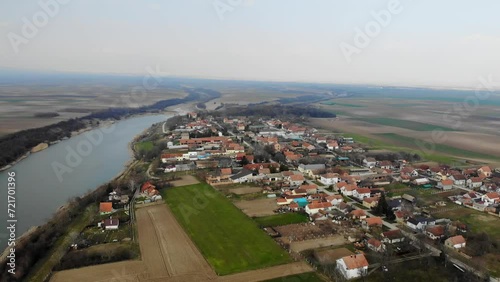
column 47, row 179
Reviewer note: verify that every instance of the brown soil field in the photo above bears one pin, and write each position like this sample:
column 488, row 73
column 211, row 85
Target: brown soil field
column 268, row 273
column 331, row 255
column 245, row 190
column 336, row 240
column 305, row 231
column 186, row 180
column 472, row 141
column 168, row 254
column 260, row 207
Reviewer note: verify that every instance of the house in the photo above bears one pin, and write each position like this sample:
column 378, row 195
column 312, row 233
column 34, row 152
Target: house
column 474, row 182
column 435, row 232
column 370, row 202
column 296, row 179
column 333, row 145
column 458, row 179
column 348, row 190
column 484, row 171
column 310, row 169
column 375, row 245
column 329, row 178
column 315, row 207
column 455, row 242
column 353, row 266
column 320, row 140
column 371, row 222
column 394, row 204
column 393, row 236
column 361, row 193
column 243, row 176
column 110, row 224
column 446, row 184
column 105, row 208
column 419, row 223
column 369, row 162
column 309, row 188
column 386, row 165
column 358, row 214
column 490, row 198
column 320, row 215
column 421, row 181
column 335, row 199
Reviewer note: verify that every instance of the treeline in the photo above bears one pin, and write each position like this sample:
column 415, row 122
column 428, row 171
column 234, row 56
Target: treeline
column 278, row 110
column 15, row 145
column 35, row 246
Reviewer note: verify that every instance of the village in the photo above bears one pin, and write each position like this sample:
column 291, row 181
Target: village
column 360, row 215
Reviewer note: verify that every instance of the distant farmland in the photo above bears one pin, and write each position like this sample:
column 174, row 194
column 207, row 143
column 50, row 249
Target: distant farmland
column 408, row 124
column 438, row 148
column 229, row 240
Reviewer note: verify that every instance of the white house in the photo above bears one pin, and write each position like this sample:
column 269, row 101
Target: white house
column 456, row 242
column 419, row 223
column 335, row 199
column 393, row 236
column 490, row 198
column 334, row 145
column 369, row 162
column 329, row 178
column 353, row 266
column 315, row 207
column 296, row 179
column 474, row 182
column 446, row 184
column 243, row 176
column 458, row 179
column 361, row 193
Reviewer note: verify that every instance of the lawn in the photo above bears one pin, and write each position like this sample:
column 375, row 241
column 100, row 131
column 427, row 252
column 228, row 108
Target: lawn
column 229, row 240
column 281, row 219
column 145, row 146
column 476, row 221
column 407, row 124
column 309, row 277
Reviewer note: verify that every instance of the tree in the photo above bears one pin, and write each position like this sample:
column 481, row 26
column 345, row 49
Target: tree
column 244, row 161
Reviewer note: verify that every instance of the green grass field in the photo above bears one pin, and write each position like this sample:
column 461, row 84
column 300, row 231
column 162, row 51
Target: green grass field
column 408, row 124
column 309, row 277
column 229, row 240
column 145, row 145
column 476, row 221
column 438, row 148
column 281, row 219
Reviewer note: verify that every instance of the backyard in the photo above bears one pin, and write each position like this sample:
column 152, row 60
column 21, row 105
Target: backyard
column 281, row 219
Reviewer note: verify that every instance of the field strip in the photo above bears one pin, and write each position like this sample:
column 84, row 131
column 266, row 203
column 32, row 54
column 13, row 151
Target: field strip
column 268, row 273
column 163, row 247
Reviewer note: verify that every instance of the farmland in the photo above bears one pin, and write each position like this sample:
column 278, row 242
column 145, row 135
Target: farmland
column 229, row 240
column 408, row 124
column 310, row 277
column 281, row 219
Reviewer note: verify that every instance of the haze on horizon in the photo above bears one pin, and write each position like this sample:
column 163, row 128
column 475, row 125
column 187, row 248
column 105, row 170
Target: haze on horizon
column 428, row 43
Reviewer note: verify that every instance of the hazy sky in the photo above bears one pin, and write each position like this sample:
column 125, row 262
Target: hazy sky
column 434, row 43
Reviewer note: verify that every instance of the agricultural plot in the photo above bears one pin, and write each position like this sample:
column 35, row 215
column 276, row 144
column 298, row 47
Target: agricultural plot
column 229, row 240
column 407, row 124
column 281, row 219
column 310, row 277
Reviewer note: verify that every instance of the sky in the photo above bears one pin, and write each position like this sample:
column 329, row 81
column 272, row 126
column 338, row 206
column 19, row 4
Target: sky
column 446, row 43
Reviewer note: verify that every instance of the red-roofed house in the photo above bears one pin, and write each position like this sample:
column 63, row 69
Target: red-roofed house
column 105, row 207
column 371, row 222
column 393, row 236
column 296, row 179
column 375, row 245
column 491, row 198
column 446, row 184
column 353, row 266
column 455, row 242
column 358, row 214
column 370, row 202
column 474, row 182
column 435, row 232
column 485, row 171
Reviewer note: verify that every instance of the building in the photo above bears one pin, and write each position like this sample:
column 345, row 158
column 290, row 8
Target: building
column 329, row 178
column 361, row 193
column 435, row 232
column 296, row 179
column 316, row 207
column 353, row 266
column 455, row 242
column 369, row 162
column 242, row 176
column 111, row 224
column 370, row 202
column 375, row 245
column 105, row 208
column 393, row 236
column 371, row 222
column 446, row 184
